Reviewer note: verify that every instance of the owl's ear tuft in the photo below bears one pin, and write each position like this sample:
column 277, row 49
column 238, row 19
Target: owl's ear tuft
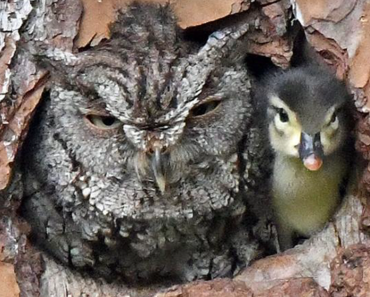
column 55, row 57
column 226, row 44
column 62, row 65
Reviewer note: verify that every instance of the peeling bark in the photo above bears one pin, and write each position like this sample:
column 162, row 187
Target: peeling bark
column 228, row 288
column 350, row 272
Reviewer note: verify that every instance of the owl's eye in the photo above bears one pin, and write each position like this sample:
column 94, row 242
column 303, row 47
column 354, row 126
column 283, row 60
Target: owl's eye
column 205, row 108
column 103, row 122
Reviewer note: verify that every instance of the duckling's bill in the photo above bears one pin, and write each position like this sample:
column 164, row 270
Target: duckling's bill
column 310, row 151
column 312, row 162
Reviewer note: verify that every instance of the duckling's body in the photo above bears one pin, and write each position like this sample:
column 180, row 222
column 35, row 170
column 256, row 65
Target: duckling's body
column 309, row 125
column 305, row 200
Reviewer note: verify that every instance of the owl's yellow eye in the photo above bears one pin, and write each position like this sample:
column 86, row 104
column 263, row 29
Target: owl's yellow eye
column 205, row 108
column 103, row 122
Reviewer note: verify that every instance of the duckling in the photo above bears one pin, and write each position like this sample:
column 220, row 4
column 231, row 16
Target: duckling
column 309, row 130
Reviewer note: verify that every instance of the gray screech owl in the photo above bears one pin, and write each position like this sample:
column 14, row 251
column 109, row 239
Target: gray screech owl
column 137, row 164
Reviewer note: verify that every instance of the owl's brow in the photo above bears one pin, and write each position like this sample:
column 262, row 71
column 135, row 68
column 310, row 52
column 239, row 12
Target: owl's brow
column 125, row 90
column 106, row 67
column 118, row 76
column 111, row 77
column 95, row 109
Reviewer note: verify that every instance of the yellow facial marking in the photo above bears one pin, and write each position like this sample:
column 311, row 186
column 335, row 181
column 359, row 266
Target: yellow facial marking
column 329, row 132
column 285, row 136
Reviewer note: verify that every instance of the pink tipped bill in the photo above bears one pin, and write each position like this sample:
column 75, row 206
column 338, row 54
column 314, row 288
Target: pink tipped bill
column 312, row 162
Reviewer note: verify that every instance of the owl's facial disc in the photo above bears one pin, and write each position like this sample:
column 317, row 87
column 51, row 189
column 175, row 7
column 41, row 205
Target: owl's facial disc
column 104, row 122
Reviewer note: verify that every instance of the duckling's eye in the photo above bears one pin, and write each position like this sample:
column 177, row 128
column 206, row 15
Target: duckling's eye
column 334, row 122
column 334, row 118
column 205, row 108
column 283, row 115
column 103, row 122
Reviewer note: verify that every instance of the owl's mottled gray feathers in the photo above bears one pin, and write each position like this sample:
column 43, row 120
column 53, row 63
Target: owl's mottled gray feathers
column 163, row 193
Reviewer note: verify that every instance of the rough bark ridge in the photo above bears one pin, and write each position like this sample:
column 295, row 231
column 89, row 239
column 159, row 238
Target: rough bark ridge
column 333, row 263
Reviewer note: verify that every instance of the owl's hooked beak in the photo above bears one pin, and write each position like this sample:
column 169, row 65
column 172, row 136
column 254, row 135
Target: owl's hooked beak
column 158, row 169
